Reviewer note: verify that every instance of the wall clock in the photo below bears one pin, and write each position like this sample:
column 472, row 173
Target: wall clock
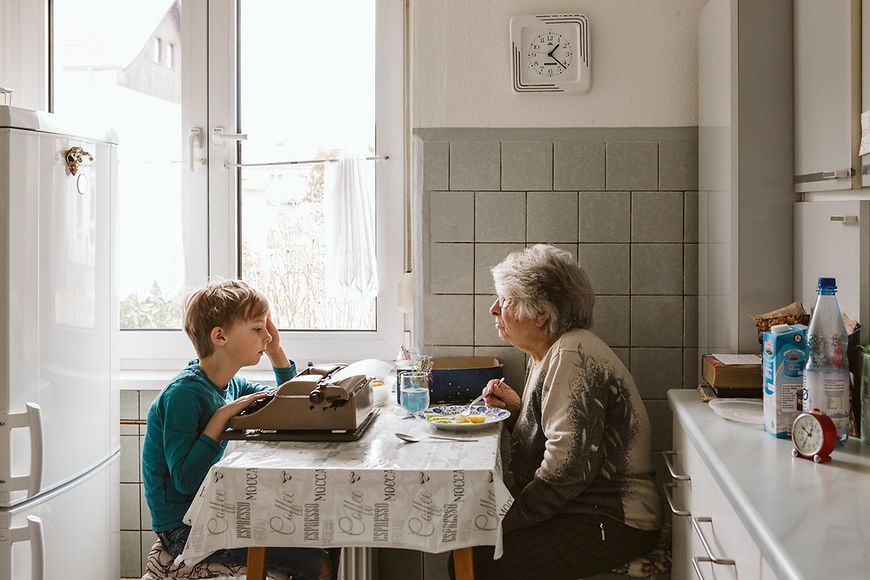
column 550, row 54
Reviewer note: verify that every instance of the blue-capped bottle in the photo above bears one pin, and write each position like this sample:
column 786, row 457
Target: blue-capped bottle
column 826, row 376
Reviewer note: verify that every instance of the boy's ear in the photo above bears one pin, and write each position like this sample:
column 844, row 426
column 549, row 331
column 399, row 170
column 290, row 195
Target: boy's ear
column 218, row 337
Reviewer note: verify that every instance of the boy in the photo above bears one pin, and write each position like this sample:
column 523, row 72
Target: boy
column 229, row 325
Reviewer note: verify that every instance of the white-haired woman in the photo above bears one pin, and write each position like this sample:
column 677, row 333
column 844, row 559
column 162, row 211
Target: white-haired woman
column 581, row 474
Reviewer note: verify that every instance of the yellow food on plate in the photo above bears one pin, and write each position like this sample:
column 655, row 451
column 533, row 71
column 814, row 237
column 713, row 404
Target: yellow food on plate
column 460, row 419
column 478, row 418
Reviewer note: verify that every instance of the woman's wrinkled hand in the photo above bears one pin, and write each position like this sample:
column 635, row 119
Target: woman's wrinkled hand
column 499, row 394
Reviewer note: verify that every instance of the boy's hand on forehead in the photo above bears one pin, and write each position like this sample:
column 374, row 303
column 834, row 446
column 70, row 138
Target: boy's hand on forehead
column 273, row 332
column 273, row 349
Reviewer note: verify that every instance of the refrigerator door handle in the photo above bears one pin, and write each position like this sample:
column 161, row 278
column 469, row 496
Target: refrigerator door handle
column 31, row 419
column 32, row 533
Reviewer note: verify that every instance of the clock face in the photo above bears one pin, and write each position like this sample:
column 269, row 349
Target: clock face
column 807, row 435
column 550, row 55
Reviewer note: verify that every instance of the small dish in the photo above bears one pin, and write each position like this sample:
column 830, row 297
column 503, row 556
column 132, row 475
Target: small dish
column 493, row 415
column 741, row 410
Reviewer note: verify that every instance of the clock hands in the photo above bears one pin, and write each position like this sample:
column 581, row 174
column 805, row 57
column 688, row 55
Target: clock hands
column 550, row 54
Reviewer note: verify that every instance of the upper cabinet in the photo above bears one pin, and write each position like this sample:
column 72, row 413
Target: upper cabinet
column 828, row 93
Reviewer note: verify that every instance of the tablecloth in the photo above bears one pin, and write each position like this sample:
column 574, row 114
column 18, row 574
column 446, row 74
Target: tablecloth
column 378, row 491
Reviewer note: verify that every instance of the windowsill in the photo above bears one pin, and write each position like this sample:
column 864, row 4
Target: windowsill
column 156, row 379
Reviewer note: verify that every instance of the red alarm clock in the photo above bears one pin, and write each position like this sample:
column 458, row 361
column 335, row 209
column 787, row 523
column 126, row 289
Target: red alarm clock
column 814, row 436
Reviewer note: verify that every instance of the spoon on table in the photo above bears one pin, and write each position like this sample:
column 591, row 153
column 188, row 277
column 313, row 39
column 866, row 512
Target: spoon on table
column 412, row 439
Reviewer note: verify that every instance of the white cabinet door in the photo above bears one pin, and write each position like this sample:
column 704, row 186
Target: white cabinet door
column 832, row 239
column 827, row 87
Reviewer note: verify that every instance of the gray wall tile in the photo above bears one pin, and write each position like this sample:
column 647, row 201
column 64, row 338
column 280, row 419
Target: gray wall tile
column 485, row 332
column 146, row 397
column 690, row 269
column 129, row 410
column 691, row 367
column 129, row 404
column 656, row 268
column 500, row 216
column 514, row 362
column 624, row 355
column 656, row 321
column 436, row 165
column 130, row 459
column 657, row 216
column 475, row 165
column 605, row 217
column 144, row 511
column 527, row 165
column 607, row 266
column 578, row 165
column 130, row 519
column 678, row 165
column 655, row 370
column 552, row 216
column 131, row 554
column 451, row 216
column 570, row 248
column 450, row 351
column 449, row 320
column 632, row 165
column 451, row 268
column 690, row 217
column 610, row 319
column 690, row 321
column 486, row 256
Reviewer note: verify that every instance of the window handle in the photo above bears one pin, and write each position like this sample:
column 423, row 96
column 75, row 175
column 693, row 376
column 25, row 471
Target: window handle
column 194, row 143
column 218, row 136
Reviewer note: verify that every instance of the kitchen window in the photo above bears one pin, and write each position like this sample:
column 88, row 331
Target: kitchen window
column 219, row 159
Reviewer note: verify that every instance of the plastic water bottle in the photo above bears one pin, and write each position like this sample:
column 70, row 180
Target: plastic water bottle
column 826, row 376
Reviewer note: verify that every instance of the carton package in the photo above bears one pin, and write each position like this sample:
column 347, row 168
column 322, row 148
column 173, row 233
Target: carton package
column 723, row 371
column 784, row 355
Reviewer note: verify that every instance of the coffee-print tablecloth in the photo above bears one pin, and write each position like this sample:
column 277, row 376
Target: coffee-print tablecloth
column 432, row 496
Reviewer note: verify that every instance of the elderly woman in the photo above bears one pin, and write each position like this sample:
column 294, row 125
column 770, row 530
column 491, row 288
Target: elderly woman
column 582, row 476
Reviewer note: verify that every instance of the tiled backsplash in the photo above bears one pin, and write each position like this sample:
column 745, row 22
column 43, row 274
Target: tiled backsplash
column 624, row 201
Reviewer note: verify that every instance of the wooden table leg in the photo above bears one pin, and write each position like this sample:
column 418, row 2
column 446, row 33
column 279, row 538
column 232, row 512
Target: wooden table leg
column 257, row 563
column 463, row 563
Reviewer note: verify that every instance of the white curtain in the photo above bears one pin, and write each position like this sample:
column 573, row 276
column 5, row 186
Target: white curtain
column 352, row 268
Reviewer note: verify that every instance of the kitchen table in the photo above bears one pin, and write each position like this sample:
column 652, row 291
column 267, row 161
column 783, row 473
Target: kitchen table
column 378, row 491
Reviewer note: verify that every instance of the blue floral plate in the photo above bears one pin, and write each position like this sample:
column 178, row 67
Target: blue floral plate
column 433, row 414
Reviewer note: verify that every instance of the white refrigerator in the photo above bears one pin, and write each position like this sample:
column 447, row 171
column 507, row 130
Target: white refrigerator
column 59, row 405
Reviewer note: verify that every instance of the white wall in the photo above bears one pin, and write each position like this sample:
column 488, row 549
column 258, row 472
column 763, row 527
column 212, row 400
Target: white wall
column 644, row 65
column 23, row 53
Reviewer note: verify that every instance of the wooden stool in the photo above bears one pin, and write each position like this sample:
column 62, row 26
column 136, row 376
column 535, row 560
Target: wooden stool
column 655, row 562
column 161, row 566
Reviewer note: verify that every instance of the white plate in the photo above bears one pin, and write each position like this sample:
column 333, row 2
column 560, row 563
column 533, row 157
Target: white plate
column 493, row 415
column 740, row 410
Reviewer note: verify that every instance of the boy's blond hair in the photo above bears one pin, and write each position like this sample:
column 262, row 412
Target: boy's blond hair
column 220, row 304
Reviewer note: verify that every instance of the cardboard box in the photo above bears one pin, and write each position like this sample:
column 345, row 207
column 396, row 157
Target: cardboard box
column 458, row 379
column 732, row 370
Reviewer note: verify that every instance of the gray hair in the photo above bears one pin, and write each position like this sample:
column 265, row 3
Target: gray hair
column 544, row 279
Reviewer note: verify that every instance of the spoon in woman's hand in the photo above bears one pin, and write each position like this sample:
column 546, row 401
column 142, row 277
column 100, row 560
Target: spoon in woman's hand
column 412, row 439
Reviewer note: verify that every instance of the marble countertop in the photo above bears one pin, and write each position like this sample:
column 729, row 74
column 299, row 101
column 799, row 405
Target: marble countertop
column 810, row 521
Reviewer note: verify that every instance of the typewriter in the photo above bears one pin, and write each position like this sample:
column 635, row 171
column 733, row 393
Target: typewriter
column 325, row 399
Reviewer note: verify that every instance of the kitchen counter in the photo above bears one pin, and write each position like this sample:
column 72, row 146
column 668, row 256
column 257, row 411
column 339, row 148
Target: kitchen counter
column 809, row 520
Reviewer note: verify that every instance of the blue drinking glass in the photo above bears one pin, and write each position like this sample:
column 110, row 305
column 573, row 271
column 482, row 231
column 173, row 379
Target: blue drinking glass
column 414, row 388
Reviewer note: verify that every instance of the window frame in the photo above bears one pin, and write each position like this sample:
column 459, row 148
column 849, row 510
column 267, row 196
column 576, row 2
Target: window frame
column 211, row 213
